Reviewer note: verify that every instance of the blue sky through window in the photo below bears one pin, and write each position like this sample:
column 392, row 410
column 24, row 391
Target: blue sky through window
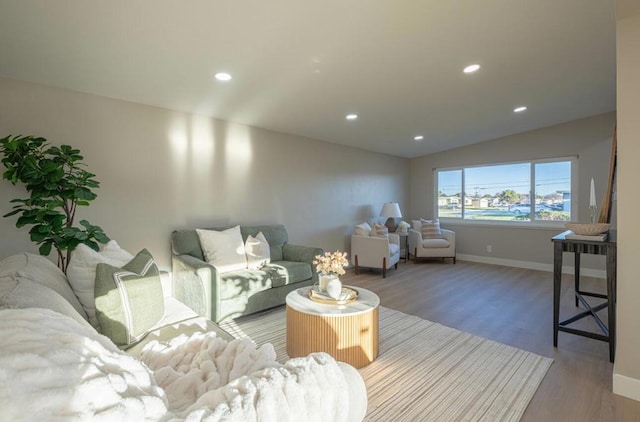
column 551, row 177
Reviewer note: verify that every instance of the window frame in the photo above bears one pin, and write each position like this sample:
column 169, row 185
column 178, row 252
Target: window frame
column 520, row 224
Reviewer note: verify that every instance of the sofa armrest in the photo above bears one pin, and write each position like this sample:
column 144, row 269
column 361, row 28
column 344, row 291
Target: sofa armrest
column 192, row 284
column 370, row 250
column 450, row 236
column 415, row 240
column 300, row 253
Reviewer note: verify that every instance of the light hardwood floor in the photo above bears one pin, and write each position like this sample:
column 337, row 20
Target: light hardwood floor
column 513, row 306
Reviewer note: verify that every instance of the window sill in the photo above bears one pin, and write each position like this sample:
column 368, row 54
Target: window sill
column 536, row 225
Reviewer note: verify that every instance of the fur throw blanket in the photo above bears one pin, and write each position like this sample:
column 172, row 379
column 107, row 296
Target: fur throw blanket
column 52, row 368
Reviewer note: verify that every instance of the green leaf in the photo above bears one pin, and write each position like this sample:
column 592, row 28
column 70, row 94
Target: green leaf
column 23, row 221
column 45, row 249
column 14, row 212
column 101, row 237
column 38, row 237
column 86, row 224
column 84, row 193
column 93, row 245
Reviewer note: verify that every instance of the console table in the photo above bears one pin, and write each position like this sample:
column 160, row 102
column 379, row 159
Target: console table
column 608, row 248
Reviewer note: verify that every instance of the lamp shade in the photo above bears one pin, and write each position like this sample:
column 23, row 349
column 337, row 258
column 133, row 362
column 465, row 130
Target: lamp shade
column 391, row 210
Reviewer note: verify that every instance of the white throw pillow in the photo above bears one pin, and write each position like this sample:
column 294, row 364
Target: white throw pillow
column 257, row 251
column 223, row 249
column 380, row 230
column 362, row 229
column 81, row 272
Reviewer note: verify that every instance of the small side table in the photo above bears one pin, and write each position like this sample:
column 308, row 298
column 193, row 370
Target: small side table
column 608, row 248
column 404, row 245
column 348, row 332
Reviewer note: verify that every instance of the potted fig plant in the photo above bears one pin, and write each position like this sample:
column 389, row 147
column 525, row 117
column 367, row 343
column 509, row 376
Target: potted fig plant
column 58, row 184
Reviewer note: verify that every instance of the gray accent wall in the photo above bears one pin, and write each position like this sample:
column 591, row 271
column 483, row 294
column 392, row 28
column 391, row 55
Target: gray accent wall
column 162, row 170
column 626, row 379
column 589, row 139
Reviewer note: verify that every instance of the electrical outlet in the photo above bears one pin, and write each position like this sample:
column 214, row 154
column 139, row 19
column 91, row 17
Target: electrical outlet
column 489, row 248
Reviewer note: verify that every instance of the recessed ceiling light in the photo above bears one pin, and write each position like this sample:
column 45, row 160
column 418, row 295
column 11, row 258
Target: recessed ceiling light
column 351, row 116
column 223, row 76
column 418, row 137
column 519, row 109
column 471, row 68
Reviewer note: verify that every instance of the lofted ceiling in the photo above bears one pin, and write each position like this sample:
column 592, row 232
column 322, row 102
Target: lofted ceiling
column 299, row 67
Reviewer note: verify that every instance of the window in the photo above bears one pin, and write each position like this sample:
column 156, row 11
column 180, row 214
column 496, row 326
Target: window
column 527, row 191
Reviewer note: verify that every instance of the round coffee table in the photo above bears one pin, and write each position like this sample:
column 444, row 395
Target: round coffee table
column 348, row 332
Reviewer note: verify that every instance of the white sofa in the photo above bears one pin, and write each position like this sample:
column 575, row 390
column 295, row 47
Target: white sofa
column 55, row 365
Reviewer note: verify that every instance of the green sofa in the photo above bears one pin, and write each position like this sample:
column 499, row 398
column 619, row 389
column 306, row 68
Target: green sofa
column 221, row 296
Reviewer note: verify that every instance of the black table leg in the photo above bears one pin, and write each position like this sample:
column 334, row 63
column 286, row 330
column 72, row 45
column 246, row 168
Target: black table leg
column 557, row 282
column 611, row 298
column 577, row 275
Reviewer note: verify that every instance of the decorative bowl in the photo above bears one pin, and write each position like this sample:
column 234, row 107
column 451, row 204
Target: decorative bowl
column 588, row 229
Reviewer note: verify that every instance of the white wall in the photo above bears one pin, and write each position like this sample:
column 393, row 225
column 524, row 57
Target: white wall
column 626, row 380
column 162, row 170
column 589, row 139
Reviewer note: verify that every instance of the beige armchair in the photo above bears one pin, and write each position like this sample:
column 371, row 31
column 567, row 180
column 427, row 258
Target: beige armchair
column 444, row 247
column 375, row 252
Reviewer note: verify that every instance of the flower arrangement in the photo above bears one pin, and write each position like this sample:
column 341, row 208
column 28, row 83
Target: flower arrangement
column 331, row 263
column 403, row 226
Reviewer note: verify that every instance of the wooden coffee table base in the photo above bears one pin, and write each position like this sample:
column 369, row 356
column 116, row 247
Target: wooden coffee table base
column 352, row 339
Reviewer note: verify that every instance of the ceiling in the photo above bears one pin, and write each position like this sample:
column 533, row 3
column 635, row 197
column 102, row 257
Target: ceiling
column 299, row 67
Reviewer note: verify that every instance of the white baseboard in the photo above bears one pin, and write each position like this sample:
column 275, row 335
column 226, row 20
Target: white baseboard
column 626, row 386
column 566, row 269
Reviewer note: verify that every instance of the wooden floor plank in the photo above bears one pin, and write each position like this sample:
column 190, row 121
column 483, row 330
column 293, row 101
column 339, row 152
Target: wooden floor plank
column 513, row 306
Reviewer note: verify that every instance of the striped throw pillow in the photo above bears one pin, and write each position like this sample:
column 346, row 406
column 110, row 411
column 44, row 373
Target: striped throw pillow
column 379, row 230
column 431, row 229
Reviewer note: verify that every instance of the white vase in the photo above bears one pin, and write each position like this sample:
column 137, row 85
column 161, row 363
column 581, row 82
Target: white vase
column 334, row 288
column 323, row 280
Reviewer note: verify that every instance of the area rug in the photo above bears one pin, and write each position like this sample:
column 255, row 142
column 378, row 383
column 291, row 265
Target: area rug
column 426, row 371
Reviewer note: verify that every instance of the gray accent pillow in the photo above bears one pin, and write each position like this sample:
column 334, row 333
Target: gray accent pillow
column 129, row 300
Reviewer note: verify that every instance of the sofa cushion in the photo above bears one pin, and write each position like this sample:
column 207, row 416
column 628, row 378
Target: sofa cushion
column 435, row 243
column 393, row 249
column 42, row 271
column 244, row 282
column 257, row 251
column 128, row 300
column 223, row 249
column 53, row 369
column 380, row 230
column 21, row 293
column 276, row 235
column 287, row 272
column 82, row 272
column 178, row 320
column 362, row 229
column 186, row 242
